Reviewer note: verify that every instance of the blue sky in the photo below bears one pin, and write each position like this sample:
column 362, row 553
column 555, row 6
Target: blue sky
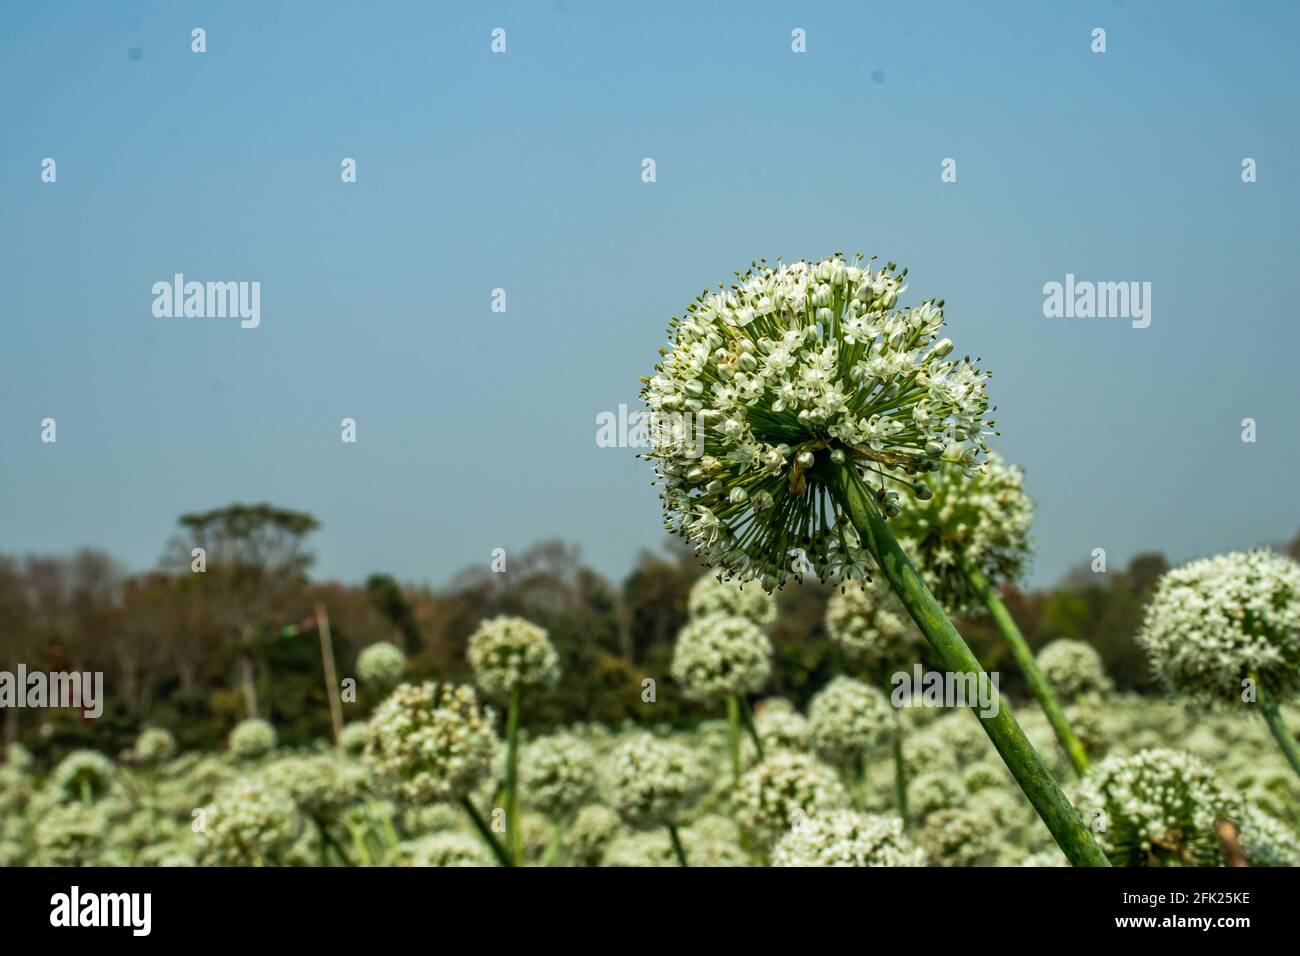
column 522, row 171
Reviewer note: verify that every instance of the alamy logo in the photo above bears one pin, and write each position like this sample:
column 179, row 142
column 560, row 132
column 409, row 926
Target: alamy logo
column 1098, row 300
column 134, row 910
column 643, row 429
column 57, row 689
column 920, row 688
column 179, row 299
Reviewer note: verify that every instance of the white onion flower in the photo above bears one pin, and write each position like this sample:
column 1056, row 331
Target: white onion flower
column 849, row 719
column 653, row 782
column 718, row 657
column 509, row 654
column 590, row 833
column 1213, row 622
column 782, row 789
column 1073, row 668
column 83, row 776
column 430, row 743
column 789, row 363
column 381, row 664
column 447, row 849
column 710, row 596
column 847, row 838
column 249, row 822
column 1155, row 804
column 252, row 739
column 979, row 518
column 1266, row 840
column 323, row 787
column 867, row 620
column 557, row 774
column 153, row 746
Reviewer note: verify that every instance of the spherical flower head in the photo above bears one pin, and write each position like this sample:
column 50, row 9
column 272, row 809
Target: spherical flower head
column 431, row 742
column 448, row 849
column 557, row 774
column 718, row 657
column 934, row 790
column 1266, row 840
column 352, row 738
column 847, row 838
column 381, row 664
column 322, row 786
column 782, row 789
column 1155, row 804
column 590, row 833
column 791, row 366
column 1214, row 622
column 782, row 729
column 710, row 596
column 153, row 746
column 249, row 823
column 867, row 620
column 849, row 719
column 653, row 782
column 252, row 739
column 19, row 757
column 969, row 835
column 509, row 653
column 83, row 776
column 977, row 518
column 71, row 835
column 1073, row 668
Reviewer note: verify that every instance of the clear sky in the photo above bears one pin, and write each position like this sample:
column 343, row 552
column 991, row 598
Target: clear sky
column 522, row 171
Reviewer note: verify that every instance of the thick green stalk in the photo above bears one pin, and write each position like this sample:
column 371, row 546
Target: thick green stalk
column 1017, row 753
column 486, row 833
column 1273, row 715
column 677, row 845
column 1029, row 667
column 513, row 838
column 733, row 724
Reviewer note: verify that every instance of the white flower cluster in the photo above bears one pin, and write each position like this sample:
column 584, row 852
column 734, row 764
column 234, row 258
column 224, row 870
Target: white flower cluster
column 1155, row 804
column 322, row 786
column 83, row 776
column 847, row 838
column 508, row 653
column 592, row 829
column 653, row 782
column 430, row 743
column 381, row 664
column 153, row 746
column 980, row 517
column 849, row 719
column 557, row 774
column 785, row 788
column 249, row 823
column 867, row 620
column 782, row 729
column 252, row 739
column 1265, row 840
column 448, row 849
column 718, row 657
column 1072, row 668
column 1213, row 622
column 710, row 596
column 791, row 364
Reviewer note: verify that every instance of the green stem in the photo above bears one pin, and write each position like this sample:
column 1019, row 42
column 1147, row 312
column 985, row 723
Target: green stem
column 677, row 845
column 747, row 717
column 486, row 833
column 733, row 725
column 513, row 838
column 1273, row 715
column 1029, row 667
column 900, row 769
column 1017, row 753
